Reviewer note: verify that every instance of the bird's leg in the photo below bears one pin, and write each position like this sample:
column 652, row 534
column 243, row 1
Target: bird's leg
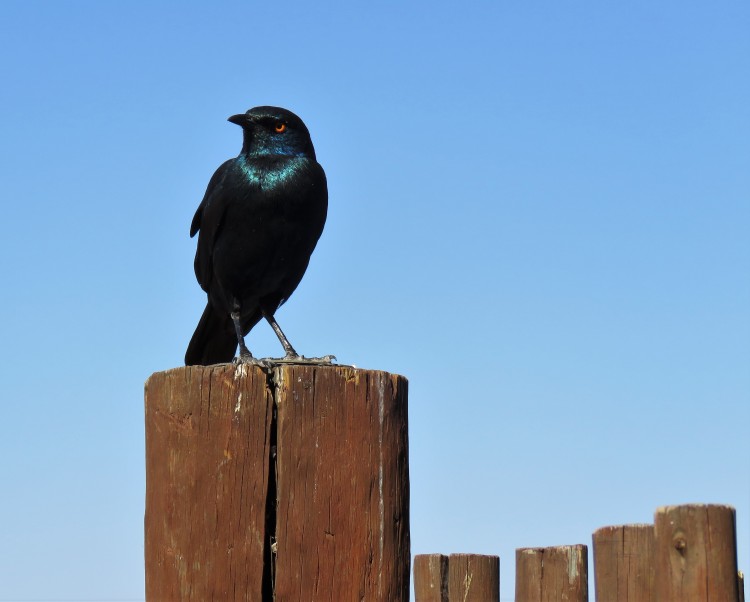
column 291, row 354
column 245, row 355
column 292, row 357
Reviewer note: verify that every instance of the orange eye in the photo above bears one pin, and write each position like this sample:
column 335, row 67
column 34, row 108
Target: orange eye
column 280, row 127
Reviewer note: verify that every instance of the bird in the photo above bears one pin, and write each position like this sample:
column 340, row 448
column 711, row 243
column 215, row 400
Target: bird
column 258, row 224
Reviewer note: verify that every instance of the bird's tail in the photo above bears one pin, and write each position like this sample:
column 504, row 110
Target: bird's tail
column 214, row 340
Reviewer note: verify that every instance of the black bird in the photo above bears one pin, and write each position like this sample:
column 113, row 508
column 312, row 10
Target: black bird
column 259, row 222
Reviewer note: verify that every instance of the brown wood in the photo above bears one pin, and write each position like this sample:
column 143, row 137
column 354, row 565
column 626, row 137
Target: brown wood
column 696, row 554
column 287, row 485
column 552, row 574
column 624, row 563
column 343, row 485
column 207, row 475
column 473, row 578
column 431, row 578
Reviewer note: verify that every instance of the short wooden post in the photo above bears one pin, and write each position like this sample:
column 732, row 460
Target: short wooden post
column 624, row 563
column 473, row 578
column 552, row 574
column 696, row 554
column 284, row 485
column 431, row 578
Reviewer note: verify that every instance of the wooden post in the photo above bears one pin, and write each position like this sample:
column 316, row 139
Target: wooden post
column 552, row 574
column 473, row 578
column 624, row 563
column 458, row 578
column 696, row 554
column 343, row 485
column 284, row 485
column 431, row 578
column 207, row 481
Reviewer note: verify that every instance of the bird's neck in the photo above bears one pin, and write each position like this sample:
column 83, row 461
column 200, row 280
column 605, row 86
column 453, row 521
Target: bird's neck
column 255, row 165
column 251, row 149
column 276, row 153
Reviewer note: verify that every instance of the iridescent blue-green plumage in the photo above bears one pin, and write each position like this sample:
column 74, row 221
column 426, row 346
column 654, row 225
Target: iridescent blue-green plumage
column 258, row 224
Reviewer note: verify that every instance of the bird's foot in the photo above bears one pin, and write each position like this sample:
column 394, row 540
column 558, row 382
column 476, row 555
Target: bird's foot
column 246, row 359
column 293, row 358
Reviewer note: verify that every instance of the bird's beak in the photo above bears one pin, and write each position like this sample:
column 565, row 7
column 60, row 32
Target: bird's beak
column 242, row 119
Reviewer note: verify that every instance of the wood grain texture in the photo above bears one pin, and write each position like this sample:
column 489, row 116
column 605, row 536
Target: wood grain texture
column 473, row 578
column 624, row 563
column 431, row 578
column 343, row 485
column 696, row 553
column 288, row 485
column 553, row 574
column 207, row 450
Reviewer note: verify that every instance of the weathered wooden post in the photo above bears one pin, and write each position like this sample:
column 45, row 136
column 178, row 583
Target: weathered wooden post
column 624, row 563
column 431, row 578
column 695, row 554
column 552, row 574
column 282, row 485
column 473, row 578
column 456, row 578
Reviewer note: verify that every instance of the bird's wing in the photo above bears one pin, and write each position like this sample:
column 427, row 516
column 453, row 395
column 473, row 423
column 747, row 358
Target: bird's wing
column 214, row 184
column 208, row 219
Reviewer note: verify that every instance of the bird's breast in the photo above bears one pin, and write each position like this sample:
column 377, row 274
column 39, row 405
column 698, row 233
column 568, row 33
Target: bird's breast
column 272, row 220
column 276, row 172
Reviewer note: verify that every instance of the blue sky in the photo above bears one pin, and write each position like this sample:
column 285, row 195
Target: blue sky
column 539, row 214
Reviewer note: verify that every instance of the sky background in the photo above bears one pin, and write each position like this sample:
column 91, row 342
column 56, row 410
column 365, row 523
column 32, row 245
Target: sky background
column 539, row 214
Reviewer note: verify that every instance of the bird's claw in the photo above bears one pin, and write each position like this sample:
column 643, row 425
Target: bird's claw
column 326, row 360
column 249, row 360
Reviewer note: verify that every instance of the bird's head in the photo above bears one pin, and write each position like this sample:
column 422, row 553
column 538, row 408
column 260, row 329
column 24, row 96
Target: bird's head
column 274, row 131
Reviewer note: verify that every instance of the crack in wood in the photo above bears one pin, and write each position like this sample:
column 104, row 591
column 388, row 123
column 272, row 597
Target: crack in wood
column 268, row 586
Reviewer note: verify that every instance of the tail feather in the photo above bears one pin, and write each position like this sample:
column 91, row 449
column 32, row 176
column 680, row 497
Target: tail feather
column 214, row 340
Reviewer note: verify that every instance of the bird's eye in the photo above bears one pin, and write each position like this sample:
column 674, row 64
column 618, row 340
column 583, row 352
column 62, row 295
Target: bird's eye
column 280, row 127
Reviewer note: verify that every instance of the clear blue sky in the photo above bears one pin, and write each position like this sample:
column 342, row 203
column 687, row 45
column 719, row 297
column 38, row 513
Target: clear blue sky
column 539, row 214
